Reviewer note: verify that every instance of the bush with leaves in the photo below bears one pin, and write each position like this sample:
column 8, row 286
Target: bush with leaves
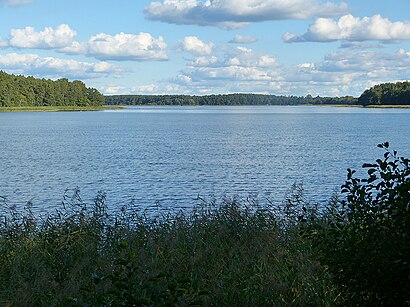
column 365, row 237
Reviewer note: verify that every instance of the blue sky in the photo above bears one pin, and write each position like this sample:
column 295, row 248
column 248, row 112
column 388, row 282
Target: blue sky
column 284, row 47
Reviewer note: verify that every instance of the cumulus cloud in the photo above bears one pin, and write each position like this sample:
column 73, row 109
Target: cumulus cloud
column 14, row 2
column 33, row 64
column 238, row 13
column 350, row 28
column 371, row 63
column 121, row 47
column 346, row 71
column 150, row 89
column 240, row 69
column 236, row 70
column 113, row 90
column 145, row 89
column 3, row 43
column 349, row 71
column 243, row 39
column 193, row 44
column 239, row 56
column 238, row 64
column 49, row 38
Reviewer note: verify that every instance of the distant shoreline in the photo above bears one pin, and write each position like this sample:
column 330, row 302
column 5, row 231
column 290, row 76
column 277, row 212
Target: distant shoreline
column 374, row 106
column 119, row 107
column 273, row 105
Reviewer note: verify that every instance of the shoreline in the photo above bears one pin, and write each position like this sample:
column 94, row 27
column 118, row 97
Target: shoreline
column 57, row 109
column 264, row 105
column 119, row 107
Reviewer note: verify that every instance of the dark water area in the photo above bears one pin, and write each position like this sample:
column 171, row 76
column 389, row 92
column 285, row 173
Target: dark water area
column 171, row 155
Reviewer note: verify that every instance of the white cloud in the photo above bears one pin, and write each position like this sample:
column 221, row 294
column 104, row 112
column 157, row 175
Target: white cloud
column 350, row 28
column 306, row 65
column 243, row 39
column 145, row 89
column 266, row 61
column 122, row 46
column 348, row 72
column 238, row 13
column 193, row 44
column 238, row 64
column 361, row 45
column 33, row 64
column 14, row 2
column 344, row 72
column 113, row 90
column 49, row 38
column 404, row 53
column 204, row 61
column 3, row 43
column 374, row 62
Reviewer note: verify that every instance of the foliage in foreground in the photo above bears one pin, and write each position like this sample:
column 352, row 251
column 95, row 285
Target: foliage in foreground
column 365, row 238
column 237, row 253
column 217, row 255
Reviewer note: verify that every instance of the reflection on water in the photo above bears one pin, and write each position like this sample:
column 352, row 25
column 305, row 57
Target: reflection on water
column 172, row 154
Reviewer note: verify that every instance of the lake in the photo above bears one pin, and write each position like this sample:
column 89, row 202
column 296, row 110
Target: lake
column 171, row 155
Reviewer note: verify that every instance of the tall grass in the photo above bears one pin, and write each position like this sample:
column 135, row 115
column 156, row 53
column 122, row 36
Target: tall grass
column 232, row 253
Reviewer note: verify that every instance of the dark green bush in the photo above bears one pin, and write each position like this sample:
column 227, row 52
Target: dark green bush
column 365, row 238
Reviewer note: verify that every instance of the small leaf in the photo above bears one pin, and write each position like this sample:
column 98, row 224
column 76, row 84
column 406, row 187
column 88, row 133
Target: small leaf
column 371, row 179
column 371, row 171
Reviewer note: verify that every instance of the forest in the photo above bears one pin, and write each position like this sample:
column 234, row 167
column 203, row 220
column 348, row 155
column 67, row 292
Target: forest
column 387, row 94
column 227, row 100
column 382, row 94
column 21, row 91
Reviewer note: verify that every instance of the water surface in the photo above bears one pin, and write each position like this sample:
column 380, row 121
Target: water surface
column 174, row 154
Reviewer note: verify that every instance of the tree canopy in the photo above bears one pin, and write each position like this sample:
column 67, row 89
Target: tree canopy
column 21, row 91
column 228, row 99
column 387, row 94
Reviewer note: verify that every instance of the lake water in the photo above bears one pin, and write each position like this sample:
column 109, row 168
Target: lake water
column 174, row 154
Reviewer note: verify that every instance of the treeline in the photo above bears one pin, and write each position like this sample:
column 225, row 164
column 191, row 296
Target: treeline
column 228, row 99
column 382, row 94
column 21, row 91
column 387, row 94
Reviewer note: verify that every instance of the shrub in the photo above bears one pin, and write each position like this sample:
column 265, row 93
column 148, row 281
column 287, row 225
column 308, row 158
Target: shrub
column 365, row 239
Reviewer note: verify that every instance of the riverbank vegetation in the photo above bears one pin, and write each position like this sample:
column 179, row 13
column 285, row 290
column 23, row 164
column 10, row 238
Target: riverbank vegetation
column 58, row 109
column 391, row 94
column 21, row 91
column 355, row 251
